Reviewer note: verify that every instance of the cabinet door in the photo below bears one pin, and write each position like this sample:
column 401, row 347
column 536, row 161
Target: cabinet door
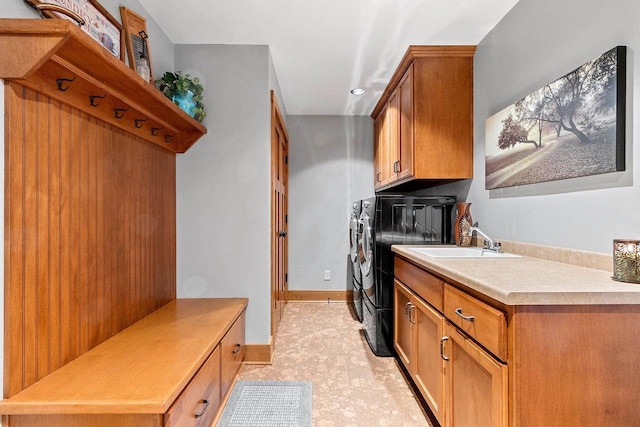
column 427, row 364
column 403, row 331
column 381, row 150
column 405, row 125
column 393, row 122
column 476, row 384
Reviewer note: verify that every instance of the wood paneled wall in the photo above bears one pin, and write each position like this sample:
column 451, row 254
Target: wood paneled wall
column 90, row 234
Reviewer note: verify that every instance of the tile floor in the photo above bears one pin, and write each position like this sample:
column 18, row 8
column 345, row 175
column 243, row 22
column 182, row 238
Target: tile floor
column 323, row 343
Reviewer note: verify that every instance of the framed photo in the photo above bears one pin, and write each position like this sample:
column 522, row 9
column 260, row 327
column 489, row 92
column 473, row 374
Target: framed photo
column 136, row 38
column 572, row 127
column 92, row 18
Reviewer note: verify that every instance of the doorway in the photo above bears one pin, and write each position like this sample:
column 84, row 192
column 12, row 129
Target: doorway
column 279, row 218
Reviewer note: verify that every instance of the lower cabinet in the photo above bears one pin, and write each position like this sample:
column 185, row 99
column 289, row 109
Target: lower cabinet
column 463, row 384
column 418, row 332
column 475, row 383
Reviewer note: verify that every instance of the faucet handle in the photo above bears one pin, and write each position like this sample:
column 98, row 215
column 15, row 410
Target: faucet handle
column 498, row 246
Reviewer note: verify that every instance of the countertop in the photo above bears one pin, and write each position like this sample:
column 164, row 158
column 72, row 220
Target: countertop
column 529, row 280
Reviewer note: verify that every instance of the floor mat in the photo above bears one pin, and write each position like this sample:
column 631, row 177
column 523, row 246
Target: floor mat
column 269, row 404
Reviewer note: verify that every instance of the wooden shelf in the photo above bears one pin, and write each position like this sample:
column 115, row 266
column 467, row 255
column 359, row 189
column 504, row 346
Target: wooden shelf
column 38, row 52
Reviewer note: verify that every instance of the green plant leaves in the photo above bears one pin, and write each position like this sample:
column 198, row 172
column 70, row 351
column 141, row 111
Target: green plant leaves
column 172, row 84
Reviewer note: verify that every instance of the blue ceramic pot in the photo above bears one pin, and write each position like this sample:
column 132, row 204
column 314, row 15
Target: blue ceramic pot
column 185, row 102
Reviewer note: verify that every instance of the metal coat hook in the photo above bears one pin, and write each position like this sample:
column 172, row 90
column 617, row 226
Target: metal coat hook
column 93, row 98
column 138, row 122
column 61, row 85
column 119, row 112
column 154, row 131
column 167, row 137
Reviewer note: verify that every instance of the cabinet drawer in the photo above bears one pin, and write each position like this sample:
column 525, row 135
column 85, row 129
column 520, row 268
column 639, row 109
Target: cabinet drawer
column 481, row 321
column 425, row 285
column 199, row 401
column 232, row 353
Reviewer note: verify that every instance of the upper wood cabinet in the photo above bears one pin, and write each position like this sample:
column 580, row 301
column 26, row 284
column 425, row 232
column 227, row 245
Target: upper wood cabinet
column 428, row 110
column 56, row 58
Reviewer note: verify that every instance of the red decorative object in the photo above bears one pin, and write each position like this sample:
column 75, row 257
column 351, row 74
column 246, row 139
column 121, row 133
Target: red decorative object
column 463, row 224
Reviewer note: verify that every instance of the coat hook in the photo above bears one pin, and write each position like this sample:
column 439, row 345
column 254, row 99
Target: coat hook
column 138, row 122
column 154, row 131
column 119, row 112
column 93, row 98
column 167, row 137
column 61, row 85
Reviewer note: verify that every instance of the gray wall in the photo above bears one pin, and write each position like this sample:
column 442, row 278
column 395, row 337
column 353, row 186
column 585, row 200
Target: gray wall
column 223, row 183
column 330, row 166
column 537, row 42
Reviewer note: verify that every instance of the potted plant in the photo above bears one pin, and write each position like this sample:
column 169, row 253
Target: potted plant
column 184, row 91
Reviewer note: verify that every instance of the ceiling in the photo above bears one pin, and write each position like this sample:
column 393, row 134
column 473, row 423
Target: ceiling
column 323, row 49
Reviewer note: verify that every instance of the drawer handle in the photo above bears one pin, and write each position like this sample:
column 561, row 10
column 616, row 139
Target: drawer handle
column 442, row 340
column 411, row 319
column 467, row 318
column 407, row 307
column 204, row 408
column 236, row 348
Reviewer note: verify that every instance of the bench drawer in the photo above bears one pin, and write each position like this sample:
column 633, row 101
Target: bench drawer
column 232, row 353
column 482, row 322
column 199, row 401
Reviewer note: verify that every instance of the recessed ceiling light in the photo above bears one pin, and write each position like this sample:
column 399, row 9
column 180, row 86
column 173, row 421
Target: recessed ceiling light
column 358, row 91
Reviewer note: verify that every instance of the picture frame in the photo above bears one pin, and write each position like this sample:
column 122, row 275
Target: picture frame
column 572, row 127
column 91, row 16
column 136, row 38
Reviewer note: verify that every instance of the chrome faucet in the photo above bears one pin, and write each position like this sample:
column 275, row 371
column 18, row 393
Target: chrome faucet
column 488, row 241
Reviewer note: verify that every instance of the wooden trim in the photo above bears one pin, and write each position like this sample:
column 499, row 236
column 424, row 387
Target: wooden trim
column 259, row 354
column 415, row 52
column 345, row 296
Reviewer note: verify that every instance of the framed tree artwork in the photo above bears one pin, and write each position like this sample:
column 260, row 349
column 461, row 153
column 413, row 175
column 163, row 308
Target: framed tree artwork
column 136, row 38
column 572, row 127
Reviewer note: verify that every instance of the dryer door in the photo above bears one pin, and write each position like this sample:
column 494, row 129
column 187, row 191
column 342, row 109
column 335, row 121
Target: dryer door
column 353, row 238
column 366, row 245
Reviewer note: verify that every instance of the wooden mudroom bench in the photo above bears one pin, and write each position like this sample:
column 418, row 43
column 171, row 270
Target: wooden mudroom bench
column 172, row 368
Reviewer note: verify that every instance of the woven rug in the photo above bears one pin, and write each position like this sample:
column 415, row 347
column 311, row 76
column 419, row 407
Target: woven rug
column 268, row 404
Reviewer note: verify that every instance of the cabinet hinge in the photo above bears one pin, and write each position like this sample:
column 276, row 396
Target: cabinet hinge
column 286, row 219
column 286, row 277
column 286, row 160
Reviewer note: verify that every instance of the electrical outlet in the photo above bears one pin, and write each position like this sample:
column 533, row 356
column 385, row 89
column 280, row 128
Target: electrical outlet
column 327, row 275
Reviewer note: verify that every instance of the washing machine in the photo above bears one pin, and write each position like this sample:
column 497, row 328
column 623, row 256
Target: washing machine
column 356, row 276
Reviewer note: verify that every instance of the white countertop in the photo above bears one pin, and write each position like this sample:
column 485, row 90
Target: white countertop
column 528, row 280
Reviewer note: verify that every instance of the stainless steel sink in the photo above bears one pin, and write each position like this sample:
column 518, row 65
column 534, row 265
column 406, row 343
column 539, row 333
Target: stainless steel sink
column 459, row 252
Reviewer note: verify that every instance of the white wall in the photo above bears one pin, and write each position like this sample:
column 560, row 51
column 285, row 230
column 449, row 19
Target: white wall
column 330, row 166
column 537, row 42
column 223, row 183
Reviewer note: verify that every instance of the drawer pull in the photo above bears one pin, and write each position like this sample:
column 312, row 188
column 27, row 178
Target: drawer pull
column 407, row 307
column 442, row 340
column 236, row 348
column 467, row 318
column 204, row 408
column 411, row 319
